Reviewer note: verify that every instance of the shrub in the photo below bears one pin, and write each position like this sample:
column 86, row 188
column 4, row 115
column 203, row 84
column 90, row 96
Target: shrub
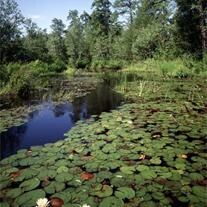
column 21, row 81
column 38, row 67
column 4, row 75
column 57, row 66
column 98, row 65
column 13, row 67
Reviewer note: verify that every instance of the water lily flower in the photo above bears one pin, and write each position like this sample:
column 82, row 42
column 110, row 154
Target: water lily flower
column 42, row 202
column 85, row 205
column 78, row 181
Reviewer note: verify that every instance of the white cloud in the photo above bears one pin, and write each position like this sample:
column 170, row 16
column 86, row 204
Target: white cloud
column 35, row 16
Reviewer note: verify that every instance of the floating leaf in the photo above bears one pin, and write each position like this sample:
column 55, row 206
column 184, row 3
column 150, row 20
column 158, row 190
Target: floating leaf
column 128, row 169
column 56, row 202
column 29, row 199
column 30, row 184
column 54, row 187
column 102, row 191
column 64, row 177
column 86, row 176
column 111, row 202
column 148, row 174
column 125, row 192
column 62, row 169
column 13, row 193
column 156, row 161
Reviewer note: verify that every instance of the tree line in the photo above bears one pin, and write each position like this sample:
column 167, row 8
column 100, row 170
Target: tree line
column 113, row 33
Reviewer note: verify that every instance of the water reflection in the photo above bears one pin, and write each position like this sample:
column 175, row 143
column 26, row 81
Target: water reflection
column 50, row 122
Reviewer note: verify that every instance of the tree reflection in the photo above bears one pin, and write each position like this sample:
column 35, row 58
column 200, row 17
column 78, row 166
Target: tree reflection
column 11, row 140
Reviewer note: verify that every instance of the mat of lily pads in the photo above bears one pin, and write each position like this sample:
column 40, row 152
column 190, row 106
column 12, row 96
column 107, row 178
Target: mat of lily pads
column 139, row 155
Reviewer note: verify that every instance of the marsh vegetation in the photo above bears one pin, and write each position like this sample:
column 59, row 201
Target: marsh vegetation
column 110, row 111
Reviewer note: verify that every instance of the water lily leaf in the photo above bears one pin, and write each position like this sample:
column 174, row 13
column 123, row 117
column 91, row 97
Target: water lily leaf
column 102, row 191
column 46, row 173
column 156, row 161
column 148, row 203
column 56, row 202
column 128, row 169
column 29, row 199
column 142, row 168
column 65, row 196
column 196, row 176
column 62, row 169
column 199, row 191
column 148, row 174
column 64, row 177
column 54, row 187
column 183, row 199
column 5, row 183
column 180, row 166
column 27, row 174
column 4, row 204
column 14, row 193
column 30, row 184
column 125, row 192
column 86, row 176
column 111, row 202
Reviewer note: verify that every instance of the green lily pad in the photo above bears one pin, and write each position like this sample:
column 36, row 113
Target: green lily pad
column 156, row 161
column 142, row 168
column 128, row 170
column 199, row 191
column 196, row 176
column 30, row 184
column 46, row 173
column 102, row 191
column 29, row 199
column 4, row 204
column 62, row 169
column 64, row 177
column 14, row 193
column 54, row 187
column 148, row 174
column 125, row 192
column 111, row 202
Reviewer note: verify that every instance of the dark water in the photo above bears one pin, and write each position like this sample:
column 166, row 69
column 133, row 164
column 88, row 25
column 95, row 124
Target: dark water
column 49, row 123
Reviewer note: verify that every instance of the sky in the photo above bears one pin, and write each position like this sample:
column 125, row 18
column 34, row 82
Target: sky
column 43, row 11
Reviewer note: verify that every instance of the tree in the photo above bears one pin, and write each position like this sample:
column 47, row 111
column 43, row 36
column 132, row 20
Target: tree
column 56, row 42
column 10, row 21
column 127, row 7
column 191, row 25
column 35, row 42
column 101, row 16
column 77, row 50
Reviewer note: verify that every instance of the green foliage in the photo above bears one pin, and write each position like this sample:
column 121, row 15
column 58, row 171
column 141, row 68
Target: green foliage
column 10, row 23
column 148, row 40
column 98, row 65
column 57, row 66
column 4, row 75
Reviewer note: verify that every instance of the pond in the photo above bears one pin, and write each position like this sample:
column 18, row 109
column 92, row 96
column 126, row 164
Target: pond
column 50, row 121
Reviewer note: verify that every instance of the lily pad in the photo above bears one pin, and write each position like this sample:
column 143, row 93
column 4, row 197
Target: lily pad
column 111, row 202
column 125, row 192
column 54, row 187
column 128, row 169
column 14, row 193
column 29, row 185
column 102, row 191
column 29, row 199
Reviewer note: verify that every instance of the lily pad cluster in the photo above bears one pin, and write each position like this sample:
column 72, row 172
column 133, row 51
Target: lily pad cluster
column 150, row 154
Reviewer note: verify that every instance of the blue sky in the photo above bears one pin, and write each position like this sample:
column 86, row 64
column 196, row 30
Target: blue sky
column 43, row 11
